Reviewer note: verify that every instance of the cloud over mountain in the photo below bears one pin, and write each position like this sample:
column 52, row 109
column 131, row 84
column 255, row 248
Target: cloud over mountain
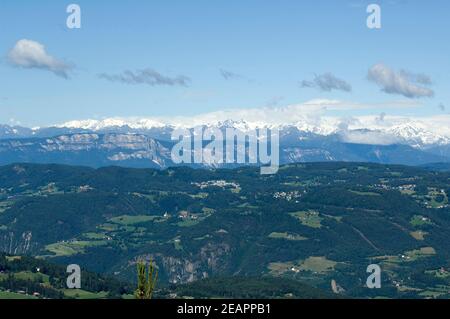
column 408, row 84
column 30, row 54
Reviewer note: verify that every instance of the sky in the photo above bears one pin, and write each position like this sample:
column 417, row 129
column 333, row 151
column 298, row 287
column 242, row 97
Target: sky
column 172, row 58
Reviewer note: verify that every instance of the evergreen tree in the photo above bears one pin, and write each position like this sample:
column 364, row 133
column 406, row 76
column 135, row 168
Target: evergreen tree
column 146, row 277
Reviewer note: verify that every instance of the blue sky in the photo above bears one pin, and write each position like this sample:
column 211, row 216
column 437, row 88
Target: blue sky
column 267, row 48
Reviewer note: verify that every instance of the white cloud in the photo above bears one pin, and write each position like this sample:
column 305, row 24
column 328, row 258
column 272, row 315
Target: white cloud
column 401, row 82
column 30, row 54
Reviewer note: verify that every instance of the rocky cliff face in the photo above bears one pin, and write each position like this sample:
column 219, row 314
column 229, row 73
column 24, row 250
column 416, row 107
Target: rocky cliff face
column 88, row 149
column 211, row 260
column 17, row 244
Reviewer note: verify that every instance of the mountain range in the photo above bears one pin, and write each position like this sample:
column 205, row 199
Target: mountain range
column 146, row 143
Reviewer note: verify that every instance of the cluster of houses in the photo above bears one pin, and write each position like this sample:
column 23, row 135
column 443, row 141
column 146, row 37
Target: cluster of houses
column 408, row 187
column 186, row 215
column 84, row 188
column 289, row 196
column 217, row 183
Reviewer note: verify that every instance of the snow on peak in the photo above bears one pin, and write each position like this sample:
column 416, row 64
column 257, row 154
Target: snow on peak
column 97, row 125
column 417, row 133
column 311, row 117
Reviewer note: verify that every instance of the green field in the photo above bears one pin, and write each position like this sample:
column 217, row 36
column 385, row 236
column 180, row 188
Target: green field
column 318, row 264
column 309, row 218
column 132, row 220
column 188, row 222
column 28, row 275
column 364, row 193
column 82, row 294
column 94, row 236
column 286, row 236
column 410, row 256
column 13, row 295
column 419, row 220
column 73, row 247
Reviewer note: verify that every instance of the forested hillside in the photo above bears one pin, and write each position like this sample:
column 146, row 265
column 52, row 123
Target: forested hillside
column 318, row 223
column 23, row 277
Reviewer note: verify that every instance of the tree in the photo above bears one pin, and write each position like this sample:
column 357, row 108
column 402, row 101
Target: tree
column 146, row 277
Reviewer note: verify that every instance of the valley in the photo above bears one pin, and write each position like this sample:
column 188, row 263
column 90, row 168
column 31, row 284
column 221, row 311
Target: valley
column 317, row 223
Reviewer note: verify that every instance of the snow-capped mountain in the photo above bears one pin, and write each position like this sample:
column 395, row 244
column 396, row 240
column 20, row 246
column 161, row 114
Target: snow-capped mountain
column 413, row 132
column 141, row 142
column 416, row 134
